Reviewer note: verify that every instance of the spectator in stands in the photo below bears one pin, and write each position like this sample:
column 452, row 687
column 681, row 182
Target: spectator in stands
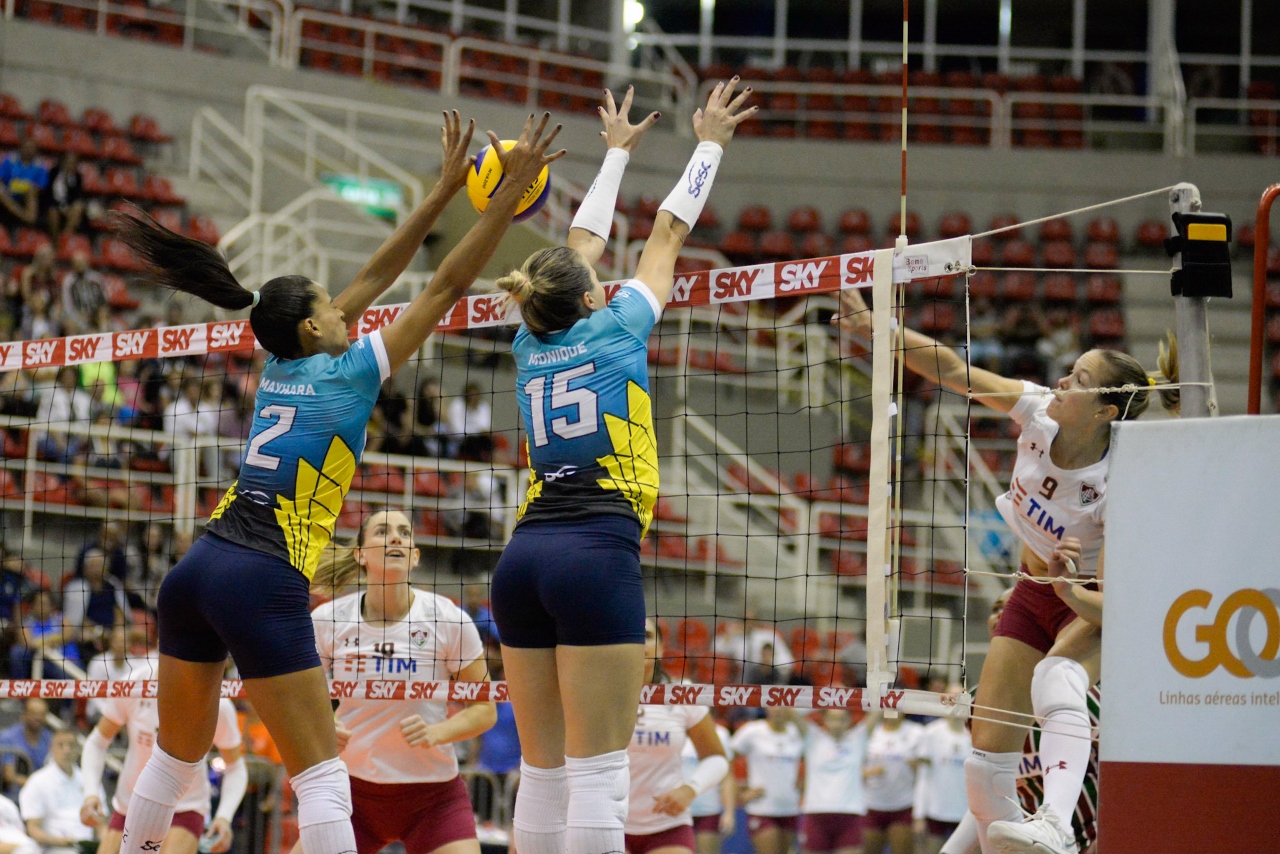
column 50, row 801
column 38, row 322
column 62, row 198
column 475, row 601
column 392, row 431
column 13, row 831
column 468, row 423
column 82, row 295
column 173, row 314
column 479, row 492
column 31, row 736
column 124, row 560
column 853, row 657
column 1059, row 346
column 192, row 415
column 746, row 646
column 64, row 403
column 986, row 350
column 41, row 275
column 762, row 672
column 94, row 602
column 18, row 396
column 15, row 587
column 429, row 420
column 22, row 177
column 160, row 554
column 43, row 633
column 1024, row 325
column 115, row 664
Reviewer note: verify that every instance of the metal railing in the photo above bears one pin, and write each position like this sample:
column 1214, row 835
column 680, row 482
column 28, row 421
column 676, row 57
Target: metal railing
column 221, row 154
column 370, row 48
column 1233, row 124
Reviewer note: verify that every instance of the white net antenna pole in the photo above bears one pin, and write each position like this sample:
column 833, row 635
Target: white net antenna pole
column 1192, row 322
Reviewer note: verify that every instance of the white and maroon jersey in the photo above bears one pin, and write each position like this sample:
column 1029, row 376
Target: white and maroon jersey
column 709, row 802
column 656, row 766
column 433, row 643
column 141, row 720
column 892, row 751
column 773, row 765
column 833, row 771
column 945, row 750
column 1045, row 503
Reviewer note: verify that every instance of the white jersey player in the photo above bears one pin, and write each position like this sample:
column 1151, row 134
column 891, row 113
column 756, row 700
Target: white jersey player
column 713, row 810
column 835, row 800
column 773, row 748
column 1046, row 650
column 944, row 747
column 893, row 753
column 139, row 716
column 405, row 784
column 658, row 815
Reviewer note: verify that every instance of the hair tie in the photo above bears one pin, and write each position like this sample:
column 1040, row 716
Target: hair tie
column 1151, row 380
column 257, row 297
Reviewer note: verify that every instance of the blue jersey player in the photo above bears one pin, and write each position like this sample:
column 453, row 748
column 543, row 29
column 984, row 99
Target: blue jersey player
column 243, row 587
column 566, row 593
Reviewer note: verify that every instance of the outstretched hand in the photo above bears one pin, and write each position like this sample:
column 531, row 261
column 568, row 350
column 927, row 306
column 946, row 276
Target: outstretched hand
column 717, row 121
column 854, row 317
column 455, row 140
column 524, row 161
column 618, row 131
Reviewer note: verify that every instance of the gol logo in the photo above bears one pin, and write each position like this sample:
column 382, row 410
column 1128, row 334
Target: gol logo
column 1248, row 662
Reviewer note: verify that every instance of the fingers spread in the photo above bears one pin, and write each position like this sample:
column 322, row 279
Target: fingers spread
column 466, row 137
column 546, row 143
column 727, row 91
column 649, row 121
column 551, row 158
column 542, row 125
column 608, row 101
column 626, row 101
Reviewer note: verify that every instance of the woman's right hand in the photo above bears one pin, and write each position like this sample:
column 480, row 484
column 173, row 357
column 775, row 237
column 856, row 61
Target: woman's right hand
column 524, row 161
column 343, row 734
column 618, row 131
column 854, row 316
column 91, row 814
column 720, row 118
column 454, row 141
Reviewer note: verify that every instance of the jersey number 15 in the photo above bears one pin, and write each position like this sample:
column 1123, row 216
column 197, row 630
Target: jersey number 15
column 561, row 397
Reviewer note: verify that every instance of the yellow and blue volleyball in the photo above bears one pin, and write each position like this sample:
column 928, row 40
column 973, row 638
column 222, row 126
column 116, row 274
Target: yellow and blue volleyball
column 486, row 176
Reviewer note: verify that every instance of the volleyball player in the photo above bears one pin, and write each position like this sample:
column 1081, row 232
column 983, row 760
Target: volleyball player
column 243, row 586
column 893, row 754
column 945, row 744
column 773, row 748
column 713, row 810
column 566, row 593
column 405, row 784
column 835, row 801
column 659, row 820
column 191, row 813
column 1045, row 655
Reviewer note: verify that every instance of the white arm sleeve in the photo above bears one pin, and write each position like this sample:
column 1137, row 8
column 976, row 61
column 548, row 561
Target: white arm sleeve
column 709, row 773
column 595, row 214
column 686, row 201
column 235, row 780
column 92, row 761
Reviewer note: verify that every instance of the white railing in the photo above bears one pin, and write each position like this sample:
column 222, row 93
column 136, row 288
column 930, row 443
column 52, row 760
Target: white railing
column 221, row 154
column 256, row 23
column 380, row 49
column 1239, row 121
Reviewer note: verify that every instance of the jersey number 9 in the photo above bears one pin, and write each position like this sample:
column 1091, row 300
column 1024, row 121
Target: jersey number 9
column 562, row 397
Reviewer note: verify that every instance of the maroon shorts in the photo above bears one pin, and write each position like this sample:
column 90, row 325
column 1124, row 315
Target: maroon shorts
column 941, row 828
column 424, row 816
column 1034, row 614
column 830, row 831
column 882, row 820
column 707, row 823
column 675, row 837
column 190, row 821
column 785, row 823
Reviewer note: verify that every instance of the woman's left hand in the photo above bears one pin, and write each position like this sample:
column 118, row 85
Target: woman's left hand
column 418, row 732
column 455, row 140
column 618, row 131
column 675, row 801
column 1064, row 564
column 219, row 836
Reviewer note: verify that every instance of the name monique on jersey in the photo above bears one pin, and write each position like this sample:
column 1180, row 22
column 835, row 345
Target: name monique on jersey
column 274, row 387
column 559, row 354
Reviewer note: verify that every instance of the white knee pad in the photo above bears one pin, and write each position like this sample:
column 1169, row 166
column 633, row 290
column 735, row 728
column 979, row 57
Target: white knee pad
column 1059, row 684
column 324, row 793
column 542, row 801
column 991, row 781
column 598, row 790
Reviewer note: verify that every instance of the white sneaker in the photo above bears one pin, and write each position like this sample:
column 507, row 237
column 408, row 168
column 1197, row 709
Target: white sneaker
column 1042, row 833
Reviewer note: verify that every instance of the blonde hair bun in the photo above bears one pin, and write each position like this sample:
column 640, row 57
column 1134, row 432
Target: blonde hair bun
column 518, row 284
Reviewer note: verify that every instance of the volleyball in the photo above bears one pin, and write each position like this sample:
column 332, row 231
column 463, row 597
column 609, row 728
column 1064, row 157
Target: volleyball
column 484, row 179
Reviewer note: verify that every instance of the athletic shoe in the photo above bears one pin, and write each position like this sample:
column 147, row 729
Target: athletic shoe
column 1042, row 833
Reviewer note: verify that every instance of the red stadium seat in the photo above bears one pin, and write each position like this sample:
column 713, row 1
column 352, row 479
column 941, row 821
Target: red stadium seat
column 940, row 288
column 855, row 221
column 120, row 181
column 984, row 252
column 852, row 457
column 100, row 122
column 379, row 478
column 855, row 243
column 1008, row 221
column 47, row 138
column 1102, row 256
column 117, row 149
column 160, row 190
column 117, row 255
column 145, row 128
column 1152, row 234
column 755, row 218
column 9, row 136
column 11, row 108
column 1056, row 229
column 1245, row 236
column 648, row 206
column 1059, row 287
column 1107, row 324
column 53, row 112
column 203, row 228
column 1104, row 230
column 70, row 245
column 777, row 245
column 29, row 241
column 117, row 293
column 6, row 246
column 937, row 318
column 1018, row 287
column 804, row 219
column 81, row 142
column 639, row 228
column 708, row 218
column 983, row 284
column 1017, row 253
column 1103, row 289
column 1058, row 253
column 913, row 225
column 954, row 224
column 739, row 246
column 91, row 177
column 817, row 245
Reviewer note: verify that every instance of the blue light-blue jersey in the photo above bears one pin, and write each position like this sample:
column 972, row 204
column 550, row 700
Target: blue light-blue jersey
column 308, row 434
column 584, row 400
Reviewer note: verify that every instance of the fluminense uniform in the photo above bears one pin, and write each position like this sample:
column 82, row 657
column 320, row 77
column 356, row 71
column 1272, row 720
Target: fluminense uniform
column 660, row 737
column 892, row 789
column 773, row 765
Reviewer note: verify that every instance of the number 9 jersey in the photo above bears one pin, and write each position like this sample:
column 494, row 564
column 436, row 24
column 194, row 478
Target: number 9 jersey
column 584, row 399
column 308, row 434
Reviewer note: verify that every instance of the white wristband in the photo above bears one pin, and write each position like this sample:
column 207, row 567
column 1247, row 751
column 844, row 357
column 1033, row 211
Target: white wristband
column 686, row 201
column 595, row 214
column 709, row 773
column 93, row 759
column 235, row 781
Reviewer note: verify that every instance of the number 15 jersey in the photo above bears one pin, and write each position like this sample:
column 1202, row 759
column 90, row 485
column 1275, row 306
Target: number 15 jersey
column 584, row 399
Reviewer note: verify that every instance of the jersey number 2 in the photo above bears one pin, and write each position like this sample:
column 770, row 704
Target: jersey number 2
column 255, row 457
column 562, row 396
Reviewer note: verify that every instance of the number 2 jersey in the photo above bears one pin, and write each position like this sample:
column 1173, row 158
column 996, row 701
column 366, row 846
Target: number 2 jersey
column 584, row 399
column 308, row 434
column 1045, row 503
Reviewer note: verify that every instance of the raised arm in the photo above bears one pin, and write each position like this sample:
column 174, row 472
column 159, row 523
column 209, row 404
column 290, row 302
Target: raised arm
column 933, row 360
column 591, row 224
column 714, row 126
column 520, row 165
column 394, row 255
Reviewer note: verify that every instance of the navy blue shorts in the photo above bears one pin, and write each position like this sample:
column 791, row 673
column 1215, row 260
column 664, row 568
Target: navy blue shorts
column 571, row 584
column 223, row 597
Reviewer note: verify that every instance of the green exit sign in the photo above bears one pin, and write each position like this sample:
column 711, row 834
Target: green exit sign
column 376, row 196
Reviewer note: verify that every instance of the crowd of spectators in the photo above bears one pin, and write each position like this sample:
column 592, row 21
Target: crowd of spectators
column 1024, row 341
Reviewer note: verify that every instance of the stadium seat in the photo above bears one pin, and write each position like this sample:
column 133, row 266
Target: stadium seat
column 1006, row 221
column 6, row 246
column 984, row 252
column 51, row 112
column 854, row 243
column 1018, row 287
column 913, row 230
column 1056, row 229
column 1017, row 253
column 954, row 224
column 937, row 318
column 739, row 246
column 777, row 246
column 1102, row 256
column 846, row 562
column 1104, row 230
column 1107, row 324
column 939, row 288
column 70, row 245
column 160, row 190
column 28, row 241
column 9, row 136
column 1059, row 254
column 647, row 205
column 202, row 228
column 120, row 181
column 639, row 228
column 118, row 150
column 1059, row 287
column 983, row 284
column 804, row 219
column 1151, row 235
column 852, row 457
column 1103, row 289
column 48, row 138
column 81, row 142
column 145, row 129
column 755, row 218
column 708, row 218
column 99, row 121
column 817, row 245
column 11, row 108
column 855, row 221
column 117, row 293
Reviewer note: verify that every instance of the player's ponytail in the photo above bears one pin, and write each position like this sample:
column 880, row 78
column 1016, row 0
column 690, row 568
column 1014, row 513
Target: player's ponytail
column 193, row 267
column 1167, row 362
column 549, row 288
column 1134, row 384
column 338, row 568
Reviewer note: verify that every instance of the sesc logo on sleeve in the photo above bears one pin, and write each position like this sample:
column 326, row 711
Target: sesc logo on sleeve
column 1246, row 662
